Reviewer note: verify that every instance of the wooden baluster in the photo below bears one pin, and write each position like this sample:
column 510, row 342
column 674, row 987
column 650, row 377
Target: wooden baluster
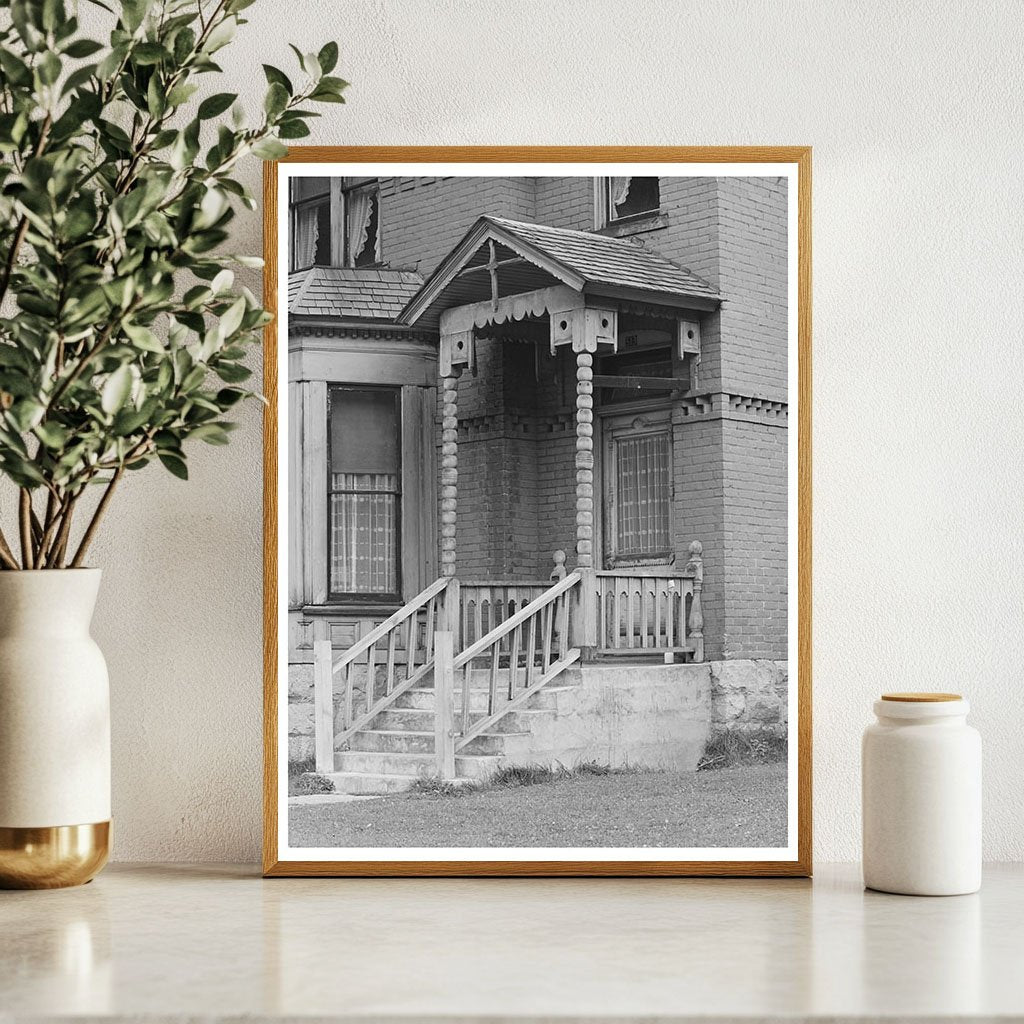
column 531, row 650
column 644, row 588
column 467, row 680
column 444, row 704
column 659, row 609
column 429, row 637
column 371, row 667
column 670, row 615
column 410, row 646
column 630, row 611
column 323, row 705
column 478, row 619
column 389, row 678
column 350, row 686
column 513, row 661
column 547, row 627
column 564, row 645
column 492, row 696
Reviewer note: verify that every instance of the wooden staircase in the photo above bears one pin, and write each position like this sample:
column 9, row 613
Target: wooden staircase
column 404, row 703
column 399, row 746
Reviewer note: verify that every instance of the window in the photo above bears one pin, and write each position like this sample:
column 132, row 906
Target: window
column 310, row 202
column 364, row 492
column 362, row 221
column 622, row 198
column 317, row 207
column 638, row 480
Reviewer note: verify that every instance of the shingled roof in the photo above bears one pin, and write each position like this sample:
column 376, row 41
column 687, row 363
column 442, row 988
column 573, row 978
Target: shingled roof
column 585, row 261
column 352, row 293
column 606, row 260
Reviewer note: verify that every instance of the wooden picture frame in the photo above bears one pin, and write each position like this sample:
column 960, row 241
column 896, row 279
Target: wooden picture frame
column 799, row 860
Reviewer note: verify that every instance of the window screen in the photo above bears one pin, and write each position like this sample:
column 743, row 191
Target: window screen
column 642, row 496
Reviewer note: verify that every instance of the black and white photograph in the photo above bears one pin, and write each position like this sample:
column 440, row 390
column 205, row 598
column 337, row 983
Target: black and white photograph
column 537, row 512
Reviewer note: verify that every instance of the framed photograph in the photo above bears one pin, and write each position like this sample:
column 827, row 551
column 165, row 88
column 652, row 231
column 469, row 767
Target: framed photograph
column 537, row 511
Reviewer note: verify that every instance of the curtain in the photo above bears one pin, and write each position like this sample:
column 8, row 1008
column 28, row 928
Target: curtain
column 619, row 191
column 642, row 495
column 364, row 527
column 360, row 205
column 307, row 233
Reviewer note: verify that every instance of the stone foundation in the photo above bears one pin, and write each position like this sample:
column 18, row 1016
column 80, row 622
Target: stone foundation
column 734, row 695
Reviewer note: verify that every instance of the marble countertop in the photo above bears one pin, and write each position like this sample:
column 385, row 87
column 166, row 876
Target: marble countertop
column 174, row 942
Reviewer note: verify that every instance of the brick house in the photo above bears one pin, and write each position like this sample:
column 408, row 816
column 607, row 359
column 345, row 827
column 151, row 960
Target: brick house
column 497, row 383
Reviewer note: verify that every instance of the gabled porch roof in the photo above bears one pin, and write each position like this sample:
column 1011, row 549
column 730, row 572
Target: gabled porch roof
column 499, row 257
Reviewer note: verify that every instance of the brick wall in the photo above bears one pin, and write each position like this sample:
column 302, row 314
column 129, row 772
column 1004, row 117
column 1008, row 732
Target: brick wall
column 754, row 460
column 752, row 215
column 422, row 219
column 517, row 434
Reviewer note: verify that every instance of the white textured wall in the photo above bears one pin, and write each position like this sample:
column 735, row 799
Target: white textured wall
column 914, row 113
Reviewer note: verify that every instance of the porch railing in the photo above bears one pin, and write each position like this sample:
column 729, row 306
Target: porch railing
column 487, row 604
column 378, row 668
column 519, row 656
column 642, row 613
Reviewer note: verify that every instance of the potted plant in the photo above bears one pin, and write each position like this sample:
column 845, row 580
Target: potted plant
column 122, row 340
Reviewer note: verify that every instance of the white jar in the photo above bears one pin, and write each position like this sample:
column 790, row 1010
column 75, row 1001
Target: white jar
column 921, row 777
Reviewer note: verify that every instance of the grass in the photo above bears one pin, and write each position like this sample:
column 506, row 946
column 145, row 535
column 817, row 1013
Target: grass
column 303, row 781
column 736, row 748
column 742, row 806
column 513, row 776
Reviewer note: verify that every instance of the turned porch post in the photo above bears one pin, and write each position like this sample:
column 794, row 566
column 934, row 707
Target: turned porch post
column 449, row 472
column 584, row 460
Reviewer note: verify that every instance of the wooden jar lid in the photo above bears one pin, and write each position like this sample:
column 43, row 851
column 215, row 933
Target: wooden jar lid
column 921, row 698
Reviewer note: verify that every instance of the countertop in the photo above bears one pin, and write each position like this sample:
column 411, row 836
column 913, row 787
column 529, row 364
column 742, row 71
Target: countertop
column 176, row 942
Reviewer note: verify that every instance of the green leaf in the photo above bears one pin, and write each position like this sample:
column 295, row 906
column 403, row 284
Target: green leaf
column 181, row 94
column 233, row 373
column 221, row 35
column 269, row 149
column 292, row 130
column 232, row 319
column 216, row 104
column 53, row 435
column 275, row 76
column 144, row 338
column 276, row 100
column 174, row 464
column 149, row 53
column 116, row 390
column 48, row 68
column 211, row 433
column 328, row 57
column 83, row 48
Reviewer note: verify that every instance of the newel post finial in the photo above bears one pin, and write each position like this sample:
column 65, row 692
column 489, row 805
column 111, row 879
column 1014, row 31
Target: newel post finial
column 695, row 567
column 558, row 573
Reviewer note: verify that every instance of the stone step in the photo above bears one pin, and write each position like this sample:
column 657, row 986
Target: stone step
column 413, row 765
column 423, row 698
column 368, row 783
column 405, row 742
column 422, row 720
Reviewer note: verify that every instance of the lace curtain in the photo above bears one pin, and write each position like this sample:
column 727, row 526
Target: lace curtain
column 307, row 233
column 619, row 191
column 360, row 206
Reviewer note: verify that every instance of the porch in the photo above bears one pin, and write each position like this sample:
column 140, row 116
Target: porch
column 478, row 647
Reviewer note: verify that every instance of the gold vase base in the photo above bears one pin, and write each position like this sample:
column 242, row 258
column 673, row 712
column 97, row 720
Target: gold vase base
column 53, row 857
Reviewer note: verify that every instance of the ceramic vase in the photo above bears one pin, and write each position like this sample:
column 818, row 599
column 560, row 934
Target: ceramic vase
column 921, row 771
column 54, row 731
